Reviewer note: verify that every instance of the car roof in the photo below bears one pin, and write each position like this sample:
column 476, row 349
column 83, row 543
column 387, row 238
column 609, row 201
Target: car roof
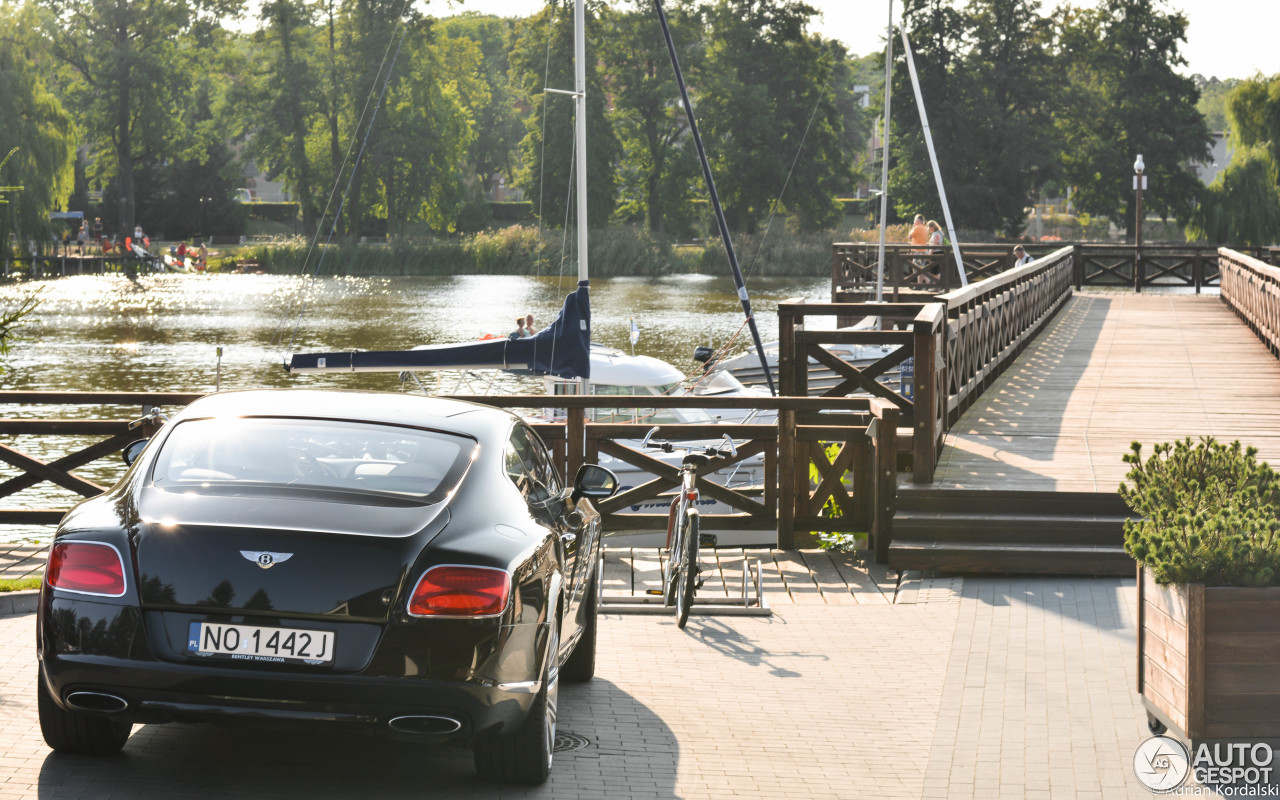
column 394, row 408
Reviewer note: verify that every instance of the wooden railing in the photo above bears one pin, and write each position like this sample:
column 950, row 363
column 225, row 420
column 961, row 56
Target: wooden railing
column 86, row 441
column 960, row 341
column 989, row 324
column 910, row 269
column 859, row 479
column 1252, row 290
column 785, row 499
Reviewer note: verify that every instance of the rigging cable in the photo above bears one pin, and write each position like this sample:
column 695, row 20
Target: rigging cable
column 773, row 212
column 381, row 93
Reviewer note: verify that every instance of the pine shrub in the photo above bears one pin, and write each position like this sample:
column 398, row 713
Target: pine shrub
column 1209, row 513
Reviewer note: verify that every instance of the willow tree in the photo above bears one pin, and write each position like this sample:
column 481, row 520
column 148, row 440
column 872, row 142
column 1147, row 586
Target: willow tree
column 1242, row 205
column 37, row 135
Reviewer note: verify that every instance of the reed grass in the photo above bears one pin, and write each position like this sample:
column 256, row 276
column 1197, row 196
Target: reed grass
column 616, row 251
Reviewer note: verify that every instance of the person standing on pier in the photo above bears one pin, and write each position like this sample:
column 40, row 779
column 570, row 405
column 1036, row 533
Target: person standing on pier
column 919, row 234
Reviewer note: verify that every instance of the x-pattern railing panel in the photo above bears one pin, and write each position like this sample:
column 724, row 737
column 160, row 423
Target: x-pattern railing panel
column 1252, row 289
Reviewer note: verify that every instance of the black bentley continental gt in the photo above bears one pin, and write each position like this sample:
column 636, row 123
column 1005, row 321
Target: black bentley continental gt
column 391, row 561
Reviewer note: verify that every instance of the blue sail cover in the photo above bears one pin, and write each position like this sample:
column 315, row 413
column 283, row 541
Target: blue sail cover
column 562, row 348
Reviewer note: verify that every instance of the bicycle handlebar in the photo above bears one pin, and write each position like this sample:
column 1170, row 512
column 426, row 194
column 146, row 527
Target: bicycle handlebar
column 728, row 448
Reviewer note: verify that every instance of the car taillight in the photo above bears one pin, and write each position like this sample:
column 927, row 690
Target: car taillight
column 88, row 567
column 460, row 592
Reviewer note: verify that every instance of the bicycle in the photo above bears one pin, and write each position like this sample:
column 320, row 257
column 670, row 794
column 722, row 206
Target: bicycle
column 680, row 578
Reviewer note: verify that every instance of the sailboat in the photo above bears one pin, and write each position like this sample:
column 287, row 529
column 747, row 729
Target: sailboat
column 562, row 351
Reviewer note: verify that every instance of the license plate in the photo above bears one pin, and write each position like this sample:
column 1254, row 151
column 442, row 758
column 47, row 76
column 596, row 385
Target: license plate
column 254, row 643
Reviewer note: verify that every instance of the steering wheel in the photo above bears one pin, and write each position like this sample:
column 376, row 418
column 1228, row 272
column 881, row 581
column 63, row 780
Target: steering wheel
column 308, row 466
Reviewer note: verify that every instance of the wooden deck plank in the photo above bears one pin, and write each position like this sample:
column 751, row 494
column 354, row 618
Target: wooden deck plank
column 830, row 582
column 1110, row 369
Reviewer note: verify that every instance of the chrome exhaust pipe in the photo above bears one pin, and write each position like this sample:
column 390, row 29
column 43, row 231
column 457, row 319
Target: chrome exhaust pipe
column 421, row 724
column 99, row 702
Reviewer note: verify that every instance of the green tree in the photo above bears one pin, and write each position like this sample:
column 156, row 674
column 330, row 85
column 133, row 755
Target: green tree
column 282, row 98
column 134, row 67
column 498, row 128
column 1125, row 98
column 1254, row 110
column 371, row 35
column 1213, row 100
column 33, row 121
column 417, row 168
column 659, row 170
column 985, row 74
column 542, row 58
column 1242, row 205
column 768, row 113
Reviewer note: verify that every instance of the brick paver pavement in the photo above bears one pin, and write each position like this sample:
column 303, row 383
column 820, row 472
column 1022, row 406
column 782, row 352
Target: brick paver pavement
column 1004, row 688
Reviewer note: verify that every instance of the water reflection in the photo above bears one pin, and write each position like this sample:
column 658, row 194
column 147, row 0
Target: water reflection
column 94, row 333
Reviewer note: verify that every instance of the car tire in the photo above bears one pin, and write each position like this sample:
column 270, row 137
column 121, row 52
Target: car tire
column 581, row 665
column 76, row 731
column 525, row 756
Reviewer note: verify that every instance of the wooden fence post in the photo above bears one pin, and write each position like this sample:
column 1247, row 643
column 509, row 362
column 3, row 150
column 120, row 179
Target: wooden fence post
column 786, row 351
column 925, row 397
column 886, row 466
column 787, row 454
column 575, row 442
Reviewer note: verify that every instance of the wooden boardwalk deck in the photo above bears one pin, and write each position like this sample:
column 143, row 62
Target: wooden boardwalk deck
column 1110, row 369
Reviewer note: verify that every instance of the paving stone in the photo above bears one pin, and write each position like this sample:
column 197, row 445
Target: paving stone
column 1011, row 688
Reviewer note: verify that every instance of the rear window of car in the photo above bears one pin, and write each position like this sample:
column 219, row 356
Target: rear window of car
column 312, row 454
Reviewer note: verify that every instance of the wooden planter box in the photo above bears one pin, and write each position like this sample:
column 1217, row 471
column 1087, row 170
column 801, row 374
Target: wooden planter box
column 1209, row 659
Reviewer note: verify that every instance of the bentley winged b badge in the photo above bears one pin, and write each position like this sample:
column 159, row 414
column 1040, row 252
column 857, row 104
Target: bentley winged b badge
column 265, row 559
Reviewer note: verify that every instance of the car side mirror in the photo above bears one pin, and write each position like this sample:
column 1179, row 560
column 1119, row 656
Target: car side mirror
column 132, row 450
column 594, row 482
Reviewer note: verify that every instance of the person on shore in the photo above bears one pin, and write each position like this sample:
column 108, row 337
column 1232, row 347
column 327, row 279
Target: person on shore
column 82, row 237
column 529, row 330
column 1021, row 256
column 935, row 234
column 204, row 257
column 519, row 332
column 919, row 234
column 181, row 252
column 97, row 231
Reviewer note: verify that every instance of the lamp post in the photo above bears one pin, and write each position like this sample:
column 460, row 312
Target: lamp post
column 1139, row 183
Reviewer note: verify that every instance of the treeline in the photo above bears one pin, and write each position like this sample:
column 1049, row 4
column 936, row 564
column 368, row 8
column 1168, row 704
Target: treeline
column 384, row 118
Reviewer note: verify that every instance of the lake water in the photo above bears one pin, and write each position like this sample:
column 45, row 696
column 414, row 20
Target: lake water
column 162, row 333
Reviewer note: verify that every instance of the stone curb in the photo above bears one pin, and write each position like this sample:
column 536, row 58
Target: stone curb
column 14, row 603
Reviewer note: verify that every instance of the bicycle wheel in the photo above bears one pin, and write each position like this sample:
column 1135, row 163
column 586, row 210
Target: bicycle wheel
column 688, row 567
column 671, row 575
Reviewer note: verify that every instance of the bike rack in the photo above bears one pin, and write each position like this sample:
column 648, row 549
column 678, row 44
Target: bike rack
column 750, row 603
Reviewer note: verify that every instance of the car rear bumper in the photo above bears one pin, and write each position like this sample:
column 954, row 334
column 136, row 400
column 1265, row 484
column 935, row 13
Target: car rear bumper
column 130, row 681
column 157, row 692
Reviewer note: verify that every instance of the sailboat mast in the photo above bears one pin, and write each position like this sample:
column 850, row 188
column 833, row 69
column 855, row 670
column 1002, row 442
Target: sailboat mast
column 580, row 129
column 884, row 157
column 580, row 138
column 933, row 159
column 715, row 198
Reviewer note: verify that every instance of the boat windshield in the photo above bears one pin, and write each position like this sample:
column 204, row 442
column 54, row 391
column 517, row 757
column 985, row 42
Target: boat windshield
column 655, row 416
column 312, row 454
